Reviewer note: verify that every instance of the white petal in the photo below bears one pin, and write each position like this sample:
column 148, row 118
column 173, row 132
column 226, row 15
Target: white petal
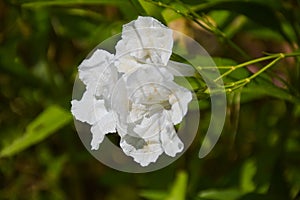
column 119, row 100
column 147, row 40
column 126, row 64
column 146, row 84
column 144, row 156
column 96, row 67
column 88, row 109
column 170, row 141
column 142, row 141
column 137, row 112
column 179, row 101
column 98, row 57
column 148, row 73
column 150, row 127
column 106, row 124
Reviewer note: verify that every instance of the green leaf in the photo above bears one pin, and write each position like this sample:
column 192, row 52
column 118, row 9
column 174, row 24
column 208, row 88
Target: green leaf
column 153, row 194
column 248, row 172
column 219, row 61
column 152, row 10
column 220, row 17
column 38, row 4
column 261, row 87
column 136, row 4
column 169, row 15
column 257, row 12
column 47, row 123
column 178, row 190
column 226, row 194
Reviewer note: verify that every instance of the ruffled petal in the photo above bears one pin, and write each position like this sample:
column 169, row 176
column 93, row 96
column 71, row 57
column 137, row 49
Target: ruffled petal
column 97, row 70
column 171, row 143
column 126, row 64
column 142, row 142
column 146, row 40
column 107, row 124
column 137, row 112
column 179, row 100
column 146, row 154
column 147, row 74
column 149, row 127
column 88, row 109
column 119, row 101
column 146, row 85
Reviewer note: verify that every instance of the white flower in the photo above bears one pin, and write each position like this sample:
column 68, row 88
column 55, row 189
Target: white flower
column 134, row 94
column 147, row 41
column 99, row 76
column 144, row 40
column 153, row 104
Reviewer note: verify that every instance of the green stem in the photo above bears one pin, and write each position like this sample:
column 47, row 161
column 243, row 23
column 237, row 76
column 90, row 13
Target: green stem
column 216, row 31
column 277, row 57
column 244, row 64
column 240, row 83
column 204, row 23
column 266, row 67
column 226, row 73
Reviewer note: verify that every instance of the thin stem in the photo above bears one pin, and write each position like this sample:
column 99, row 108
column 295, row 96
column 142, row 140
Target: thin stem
column 241, row 83
column 266, row 67
column 278, row 56
column 257, row 60
column 226, row 73
column 204, row 23
column 229, row 87
column 217, row 32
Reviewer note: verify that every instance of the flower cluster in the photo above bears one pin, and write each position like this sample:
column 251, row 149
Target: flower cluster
column 134, row 94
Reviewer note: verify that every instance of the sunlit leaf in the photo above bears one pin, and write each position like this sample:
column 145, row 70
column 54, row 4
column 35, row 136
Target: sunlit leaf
column 151, row 9
column 178, row 189
column 226, row 194
column 169, row 15
column 38, row 4
column 259, row 13
column 47, row 123
column 224, row 61
column 153, row 194
column 248, row 171
column 137, row 5
column 267, row 88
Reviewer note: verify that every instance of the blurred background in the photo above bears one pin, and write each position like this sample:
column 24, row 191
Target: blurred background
column 41, row 155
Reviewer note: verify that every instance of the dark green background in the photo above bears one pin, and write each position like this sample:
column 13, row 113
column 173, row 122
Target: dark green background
column 41, row 155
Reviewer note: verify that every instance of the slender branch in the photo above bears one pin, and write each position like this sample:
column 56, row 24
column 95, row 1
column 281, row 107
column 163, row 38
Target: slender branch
column 240, row 83
column 203, row 22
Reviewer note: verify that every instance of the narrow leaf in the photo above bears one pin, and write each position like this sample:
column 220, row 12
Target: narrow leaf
column 178, row 190
column 139, row 8
column 47, row 123
column 259, row 13
column 226, row 194
column 38, row 4
column 153, row 194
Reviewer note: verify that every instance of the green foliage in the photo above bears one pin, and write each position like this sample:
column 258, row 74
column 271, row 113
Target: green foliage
column 229, row 194
column 255, row 46
column 177, row 191
column 38, row 4
column 47, row 123
column 260, row 13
